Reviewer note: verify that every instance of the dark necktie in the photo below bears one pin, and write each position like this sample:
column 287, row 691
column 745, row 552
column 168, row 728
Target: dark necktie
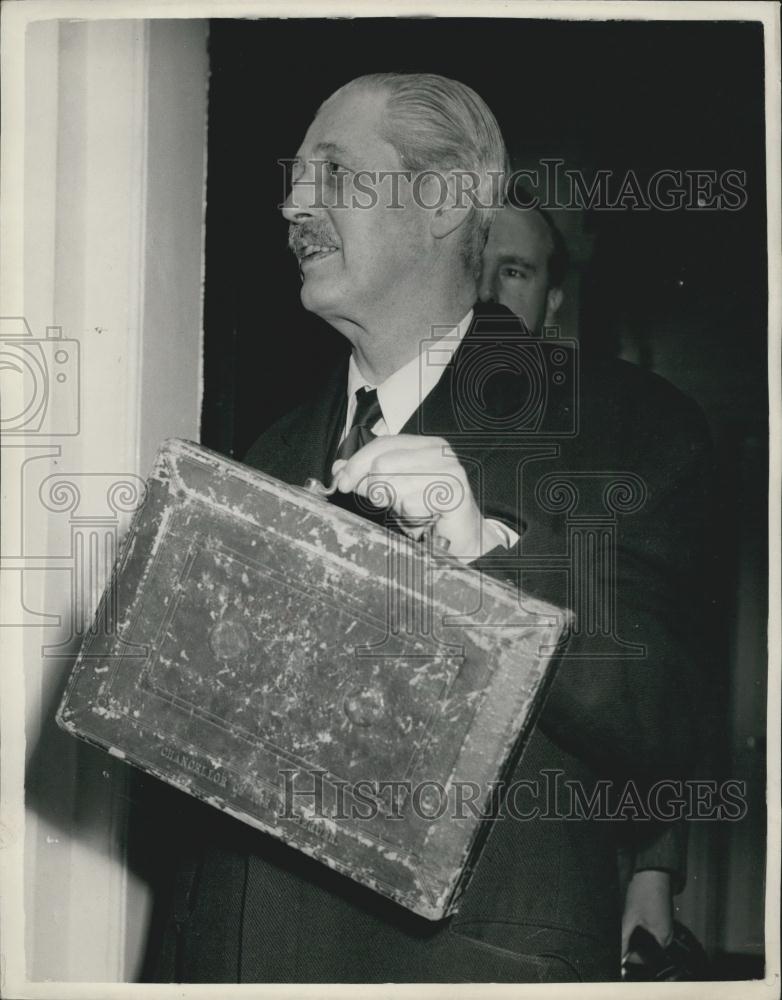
column 367, row 414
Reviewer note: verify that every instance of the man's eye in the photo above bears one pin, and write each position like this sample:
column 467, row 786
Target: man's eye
column 334, row 169
column 512, row 272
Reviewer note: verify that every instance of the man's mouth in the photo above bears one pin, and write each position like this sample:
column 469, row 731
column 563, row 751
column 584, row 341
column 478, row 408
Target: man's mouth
column 315, row 251
column 310, row 244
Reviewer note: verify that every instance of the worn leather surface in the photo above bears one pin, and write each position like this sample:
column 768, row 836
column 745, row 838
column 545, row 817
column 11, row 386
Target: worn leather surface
column 312, row 674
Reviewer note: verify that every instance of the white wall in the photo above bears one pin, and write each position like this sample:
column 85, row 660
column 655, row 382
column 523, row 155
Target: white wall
column 111, row 251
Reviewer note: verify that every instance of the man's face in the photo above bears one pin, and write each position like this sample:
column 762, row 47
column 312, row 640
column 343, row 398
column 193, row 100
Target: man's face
column 354, row 260
column 514, row 269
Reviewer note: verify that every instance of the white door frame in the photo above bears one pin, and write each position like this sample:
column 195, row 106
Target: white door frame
column 103, row 210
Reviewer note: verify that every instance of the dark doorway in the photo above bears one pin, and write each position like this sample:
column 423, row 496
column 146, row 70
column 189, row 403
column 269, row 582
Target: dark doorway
column 682, row 290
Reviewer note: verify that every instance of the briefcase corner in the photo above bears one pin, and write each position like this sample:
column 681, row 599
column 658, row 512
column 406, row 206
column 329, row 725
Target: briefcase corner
column 170, row 454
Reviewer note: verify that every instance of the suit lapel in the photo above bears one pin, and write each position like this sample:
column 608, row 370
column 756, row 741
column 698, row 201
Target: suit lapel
column 473, row 407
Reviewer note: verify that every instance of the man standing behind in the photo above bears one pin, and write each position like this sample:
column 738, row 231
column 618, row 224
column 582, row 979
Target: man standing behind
column 390, row 273
column 524, row 266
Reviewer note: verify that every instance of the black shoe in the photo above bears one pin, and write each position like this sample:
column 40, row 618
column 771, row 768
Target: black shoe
column 683, row 960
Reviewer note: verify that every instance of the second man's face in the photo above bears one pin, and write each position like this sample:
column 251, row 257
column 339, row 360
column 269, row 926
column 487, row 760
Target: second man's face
column 355, row 250
column 515, row 267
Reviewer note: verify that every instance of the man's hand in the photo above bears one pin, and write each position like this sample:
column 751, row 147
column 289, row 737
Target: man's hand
column 648, row 904
column 421, row 480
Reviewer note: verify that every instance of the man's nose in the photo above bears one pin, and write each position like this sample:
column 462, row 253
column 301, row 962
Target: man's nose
column 486, row 289
column 293, row 211
column 303, row 201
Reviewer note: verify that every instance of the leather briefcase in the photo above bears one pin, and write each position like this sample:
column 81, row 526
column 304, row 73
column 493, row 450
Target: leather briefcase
column 328, row 681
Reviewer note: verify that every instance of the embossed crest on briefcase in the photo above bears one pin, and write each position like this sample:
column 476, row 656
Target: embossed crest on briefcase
column 323, row 679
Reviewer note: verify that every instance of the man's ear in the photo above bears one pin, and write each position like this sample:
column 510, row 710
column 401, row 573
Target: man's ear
column 449, row 209
column 554, row 297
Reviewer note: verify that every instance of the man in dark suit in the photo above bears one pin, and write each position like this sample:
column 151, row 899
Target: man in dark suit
column 566, row 473
column 524, row 267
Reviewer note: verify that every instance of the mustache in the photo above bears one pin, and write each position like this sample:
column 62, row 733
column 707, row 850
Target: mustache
column 304, row 234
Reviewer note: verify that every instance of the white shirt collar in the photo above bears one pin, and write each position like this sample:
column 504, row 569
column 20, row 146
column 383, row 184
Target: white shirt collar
column 402, row 393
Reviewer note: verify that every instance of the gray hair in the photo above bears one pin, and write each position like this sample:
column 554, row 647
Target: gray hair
column 439, row 124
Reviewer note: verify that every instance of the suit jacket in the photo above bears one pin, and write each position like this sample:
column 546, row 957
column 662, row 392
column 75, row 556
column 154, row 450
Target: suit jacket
column 606, row 479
